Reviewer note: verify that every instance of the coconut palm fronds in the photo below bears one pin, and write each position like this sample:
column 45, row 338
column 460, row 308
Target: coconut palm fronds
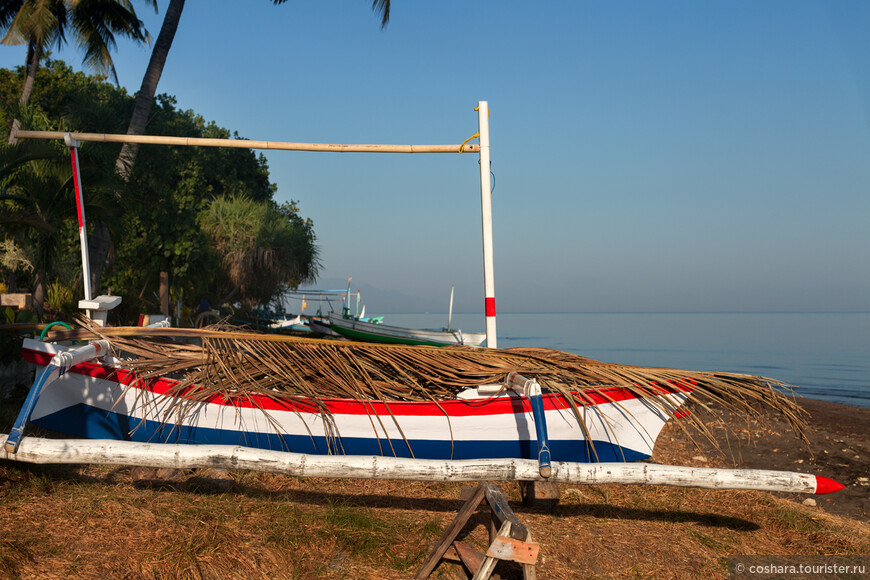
column 234, row 364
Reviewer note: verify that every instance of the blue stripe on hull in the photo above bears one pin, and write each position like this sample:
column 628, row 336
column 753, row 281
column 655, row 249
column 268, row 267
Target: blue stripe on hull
column 89, row 422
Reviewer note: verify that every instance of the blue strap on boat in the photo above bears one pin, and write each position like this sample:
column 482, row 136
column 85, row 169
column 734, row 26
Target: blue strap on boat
column 537, row 402
column 14, row 438
column 530, row 389
column 59, row 364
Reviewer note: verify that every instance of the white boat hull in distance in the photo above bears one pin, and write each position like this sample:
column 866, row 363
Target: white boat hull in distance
column 384, row 333
column 98, row 400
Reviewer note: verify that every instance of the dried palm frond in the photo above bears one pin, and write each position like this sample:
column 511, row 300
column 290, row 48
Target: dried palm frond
column 238, row 365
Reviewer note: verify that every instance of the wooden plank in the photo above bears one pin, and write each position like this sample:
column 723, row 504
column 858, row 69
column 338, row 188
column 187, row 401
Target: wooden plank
column 514, row 550
column 486, row 569
column 529, row 570
column 20, row 301
column 540, row 494
column 450, row 533
column 245, row 144
column 451, row 553
column 502, row 510
column 472, row 559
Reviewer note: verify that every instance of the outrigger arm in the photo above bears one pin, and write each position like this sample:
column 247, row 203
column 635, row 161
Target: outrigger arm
column 60, row 363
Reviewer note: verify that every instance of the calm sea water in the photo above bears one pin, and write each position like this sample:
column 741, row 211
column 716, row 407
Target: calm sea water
column 827, row 356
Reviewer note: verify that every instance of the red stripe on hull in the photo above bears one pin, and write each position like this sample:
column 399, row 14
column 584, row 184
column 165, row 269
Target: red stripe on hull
column 453, row 408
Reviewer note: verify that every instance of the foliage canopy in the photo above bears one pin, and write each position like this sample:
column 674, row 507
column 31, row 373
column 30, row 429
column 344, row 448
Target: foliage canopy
column 162, row 224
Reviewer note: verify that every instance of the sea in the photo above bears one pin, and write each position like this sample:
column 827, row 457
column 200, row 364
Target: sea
column 824, row 355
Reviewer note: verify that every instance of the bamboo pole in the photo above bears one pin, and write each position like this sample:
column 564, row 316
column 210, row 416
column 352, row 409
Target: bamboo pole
column 110, row 452
column 245, row 144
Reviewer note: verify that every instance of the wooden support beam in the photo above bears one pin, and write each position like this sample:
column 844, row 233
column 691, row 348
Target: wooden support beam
column 505, row 548
column 110, row 452
column 470, row 558
column 511, row 542
column 246, row 144
column 451, row 532
column 502, row 510
column 542, row 495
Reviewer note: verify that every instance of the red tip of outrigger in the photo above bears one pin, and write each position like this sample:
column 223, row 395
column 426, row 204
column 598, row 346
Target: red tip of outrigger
column 825, row 485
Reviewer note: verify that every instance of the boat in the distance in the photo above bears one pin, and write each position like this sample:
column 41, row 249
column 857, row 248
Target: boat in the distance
column 356, row 329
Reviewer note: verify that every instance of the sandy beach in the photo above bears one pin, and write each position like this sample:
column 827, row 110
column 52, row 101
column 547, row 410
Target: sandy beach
column 837, row 446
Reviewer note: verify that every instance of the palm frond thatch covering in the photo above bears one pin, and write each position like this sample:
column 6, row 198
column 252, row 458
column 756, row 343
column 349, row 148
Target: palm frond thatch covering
column 237, row 365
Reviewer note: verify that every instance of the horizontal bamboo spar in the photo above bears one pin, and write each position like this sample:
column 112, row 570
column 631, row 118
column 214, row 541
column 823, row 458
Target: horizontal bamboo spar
column 244, row 144
column 38, row 450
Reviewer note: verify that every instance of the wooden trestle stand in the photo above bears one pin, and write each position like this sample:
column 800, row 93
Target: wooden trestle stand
column 508, row 539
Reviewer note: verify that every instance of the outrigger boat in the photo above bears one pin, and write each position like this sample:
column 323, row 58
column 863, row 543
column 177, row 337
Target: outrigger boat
column 99, row 399
column 510, row 430
column 337, row 409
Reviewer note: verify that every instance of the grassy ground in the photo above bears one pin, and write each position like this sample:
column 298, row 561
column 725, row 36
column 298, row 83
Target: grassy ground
column 95, row 522
column 106, row 522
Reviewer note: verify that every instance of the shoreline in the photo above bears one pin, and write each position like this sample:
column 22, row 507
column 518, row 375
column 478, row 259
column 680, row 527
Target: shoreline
column 839, row 417
column 837, row 447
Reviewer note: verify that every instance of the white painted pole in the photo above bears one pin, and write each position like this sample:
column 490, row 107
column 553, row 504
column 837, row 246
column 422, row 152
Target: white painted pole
column 450, row 309
column 486, row 217
column 80, row 207
column 111, row 452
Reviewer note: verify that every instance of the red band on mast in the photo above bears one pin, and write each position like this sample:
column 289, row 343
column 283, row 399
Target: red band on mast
column 75, row 168
column 490, row 306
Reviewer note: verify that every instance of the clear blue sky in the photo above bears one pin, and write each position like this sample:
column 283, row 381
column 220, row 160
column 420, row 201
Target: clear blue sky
column 648, row 156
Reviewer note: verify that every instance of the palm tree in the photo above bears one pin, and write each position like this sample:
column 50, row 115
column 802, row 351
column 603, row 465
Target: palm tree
column 42, row 24
column 262, row 248
column 36, row 197
column 34, row 179
column 100, row 242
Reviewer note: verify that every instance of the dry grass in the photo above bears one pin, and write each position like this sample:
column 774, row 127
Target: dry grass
column 301, row 373
column 92, row 522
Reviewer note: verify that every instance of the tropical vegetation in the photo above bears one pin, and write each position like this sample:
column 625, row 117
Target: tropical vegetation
column 185, row 211
column 43, row 24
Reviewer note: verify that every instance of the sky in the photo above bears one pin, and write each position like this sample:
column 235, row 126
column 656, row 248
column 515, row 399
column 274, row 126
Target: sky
column 669, row 156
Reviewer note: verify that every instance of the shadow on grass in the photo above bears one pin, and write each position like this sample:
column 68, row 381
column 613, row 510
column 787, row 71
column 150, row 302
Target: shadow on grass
column 311, row 497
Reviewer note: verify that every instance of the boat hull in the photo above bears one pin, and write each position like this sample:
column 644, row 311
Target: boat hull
column 101, row 401
column 384, row 333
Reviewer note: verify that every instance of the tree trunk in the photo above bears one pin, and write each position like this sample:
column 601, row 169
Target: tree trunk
column 99, row 244
column 39, row 294
column 142, row 108
column 231, row 295
column 98, row 248
column 35, row 53
column 164, row 293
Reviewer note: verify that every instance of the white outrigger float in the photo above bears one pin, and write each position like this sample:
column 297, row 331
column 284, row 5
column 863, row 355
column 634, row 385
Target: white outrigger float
column 505, row 429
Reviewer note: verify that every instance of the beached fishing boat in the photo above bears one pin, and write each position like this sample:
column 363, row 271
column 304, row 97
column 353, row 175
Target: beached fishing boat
column 99, row 399
column 320, row 327
column 384, row 333
column 318, row 408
